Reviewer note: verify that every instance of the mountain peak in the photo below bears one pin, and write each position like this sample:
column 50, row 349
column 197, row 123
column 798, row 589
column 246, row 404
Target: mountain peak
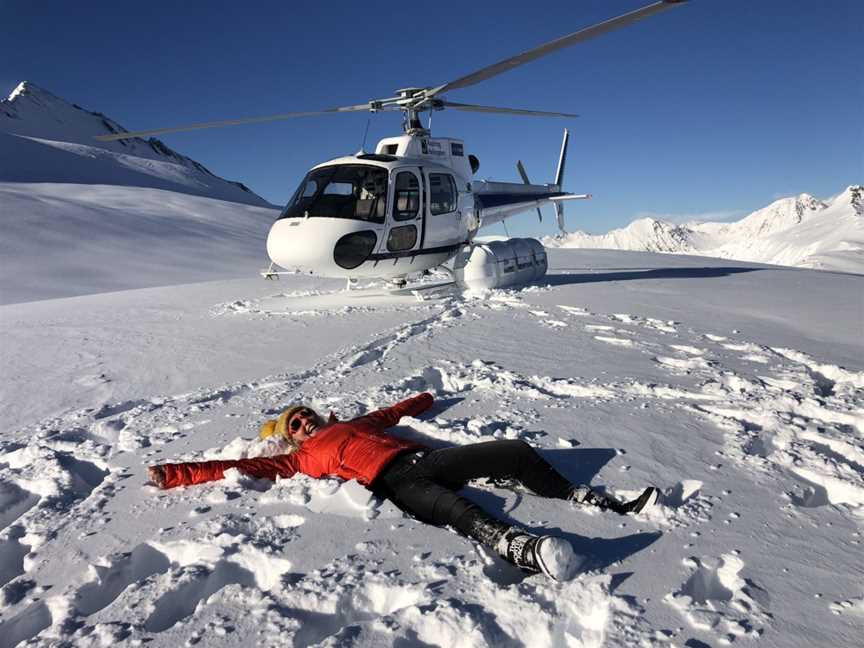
column 20, row 89
column 797, row 230
column 853, row 195
column 29, row 89
column 61, row 146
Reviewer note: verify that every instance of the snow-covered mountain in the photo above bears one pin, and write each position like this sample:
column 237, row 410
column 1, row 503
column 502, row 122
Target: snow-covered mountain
column 79, row 216
column 797, row 231
column 46, row 139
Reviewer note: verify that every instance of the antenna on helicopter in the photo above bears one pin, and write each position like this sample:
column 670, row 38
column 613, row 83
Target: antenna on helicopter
column 365, row 134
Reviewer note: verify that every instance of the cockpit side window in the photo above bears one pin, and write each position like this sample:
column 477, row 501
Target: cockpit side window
column 352, row 191
column 442, row 193
column 407, row 196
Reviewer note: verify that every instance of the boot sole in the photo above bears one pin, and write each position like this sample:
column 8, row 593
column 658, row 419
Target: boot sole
column 647, row 499
column 555, row 558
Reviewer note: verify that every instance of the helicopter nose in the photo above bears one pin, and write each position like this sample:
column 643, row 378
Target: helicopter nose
column 329, row 247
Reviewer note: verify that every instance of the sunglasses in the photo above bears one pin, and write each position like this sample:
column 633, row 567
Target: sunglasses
column 295, row 423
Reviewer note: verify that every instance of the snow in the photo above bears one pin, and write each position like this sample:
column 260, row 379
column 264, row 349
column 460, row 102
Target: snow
column 135, row 237
column 735, row 388
column 740, row 394
column 796, row 231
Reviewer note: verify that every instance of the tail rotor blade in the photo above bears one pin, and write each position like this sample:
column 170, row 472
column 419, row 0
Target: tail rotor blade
column 559, row 215
column 525, row 179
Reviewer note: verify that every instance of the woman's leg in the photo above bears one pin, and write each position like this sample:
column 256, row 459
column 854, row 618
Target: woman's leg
column 498, row 460
column 411, row 487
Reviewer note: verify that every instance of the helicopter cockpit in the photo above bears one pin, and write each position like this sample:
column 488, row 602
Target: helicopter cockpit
column 351, row 191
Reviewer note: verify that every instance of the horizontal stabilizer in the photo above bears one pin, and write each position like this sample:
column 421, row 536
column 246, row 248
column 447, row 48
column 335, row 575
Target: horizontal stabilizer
column 496, row 201
column 570, row 197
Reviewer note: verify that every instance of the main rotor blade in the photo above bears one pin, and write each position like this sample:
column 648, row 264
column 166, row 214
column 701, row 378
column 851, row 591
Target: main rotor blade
column 230, row 122
column 508, row 111
column 555, row 45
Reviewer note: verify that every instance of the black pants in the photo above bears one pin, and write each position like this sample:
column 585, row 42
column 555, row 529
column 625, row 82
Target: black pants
column 426, row 485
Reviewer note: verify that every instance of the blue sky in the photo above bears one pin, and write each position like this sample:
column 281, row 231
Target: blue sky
column 711, row 109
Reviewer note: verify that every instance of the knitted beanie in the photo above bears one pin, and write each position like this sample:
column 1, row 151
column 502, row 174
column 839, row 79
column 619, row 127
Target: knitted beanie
column 279, row 426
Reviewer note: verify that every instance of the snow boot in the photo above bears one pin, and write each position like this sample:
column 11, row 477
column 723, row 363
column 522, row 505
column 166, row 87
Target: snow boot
column 534, row 554
column 584, row 495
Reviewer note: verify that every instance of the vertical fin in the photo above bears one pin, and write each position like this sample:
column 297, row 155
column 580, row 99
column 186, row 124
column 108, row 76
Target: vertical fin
column 559, row 178
column 562, row 160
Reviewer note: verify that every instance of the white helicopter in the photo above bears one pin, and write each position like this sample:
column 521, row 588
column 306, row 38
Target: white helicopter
column 413, row 204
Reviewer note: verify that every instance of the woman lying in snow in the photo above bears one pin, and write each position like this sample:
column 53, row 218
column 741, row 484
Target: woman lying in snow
column 419, row 480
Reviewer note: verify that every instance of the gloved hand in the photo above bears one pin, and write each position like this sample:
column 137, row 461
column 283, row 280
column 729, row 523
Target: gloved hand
column 157, row 475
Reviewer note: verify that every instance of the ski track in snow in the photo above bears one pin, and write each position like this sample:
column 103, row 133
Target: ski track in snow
column 779, row 410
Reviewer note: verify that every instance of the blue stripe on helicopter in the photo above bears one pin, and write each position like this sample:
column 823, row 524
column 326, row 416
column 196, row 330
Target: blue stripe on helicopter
column 502, row 199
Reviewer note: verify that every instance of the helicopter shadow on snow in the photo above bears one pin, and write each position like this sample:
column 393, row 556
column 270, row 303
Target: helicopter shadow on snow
column 584, row 275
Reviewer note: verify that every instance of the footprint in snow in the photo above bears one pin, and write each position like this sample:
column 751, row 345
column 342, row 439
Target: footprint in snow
column 14, row 502
column 717, row 598
column 12, row 553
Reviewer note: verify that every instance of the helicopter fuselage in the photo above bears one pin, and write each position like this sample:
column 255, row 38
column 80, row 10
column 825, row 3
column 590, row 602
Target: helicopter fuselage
column 406, row 208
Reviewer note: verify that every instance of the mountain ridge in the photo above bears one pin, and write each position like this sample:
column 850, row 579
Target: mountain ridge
column 800, row 230
column 41, row 132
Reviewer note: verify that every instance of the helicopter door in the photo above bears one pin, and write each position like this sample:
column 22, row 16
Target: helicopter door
column 406, row 218
column 443, row 226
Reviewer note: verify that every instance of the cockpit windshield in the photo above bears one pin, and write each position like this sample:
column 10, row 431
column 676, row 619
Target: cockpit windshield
column 355, row 191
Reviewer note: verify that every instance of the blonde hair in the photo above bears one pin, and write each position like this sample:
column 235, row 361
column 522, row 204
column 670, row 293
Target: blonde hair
column 279, row 427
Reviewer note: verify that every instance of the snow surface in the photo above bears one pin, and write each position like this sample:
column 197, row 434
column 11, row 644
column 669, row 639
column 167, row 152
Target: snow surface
column 737, row 389
column 797, row 231
column 61, row 240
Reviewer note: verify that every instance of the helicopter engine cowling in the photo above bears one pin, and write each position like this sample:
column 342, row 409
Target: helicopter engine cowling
column 500, row 264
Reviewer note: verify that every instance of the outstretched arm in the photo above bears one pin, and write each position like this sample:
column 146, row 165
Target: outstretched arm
column 389, row 416
column 199, row 472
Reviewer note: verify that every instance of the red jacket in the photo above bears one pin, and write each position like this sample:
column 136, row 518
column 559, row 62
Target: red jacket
column 356, row 449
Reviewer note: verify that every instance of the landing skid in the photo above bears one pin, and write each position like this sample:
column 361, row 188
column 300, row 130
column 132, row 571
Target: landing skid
column 368, row 297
